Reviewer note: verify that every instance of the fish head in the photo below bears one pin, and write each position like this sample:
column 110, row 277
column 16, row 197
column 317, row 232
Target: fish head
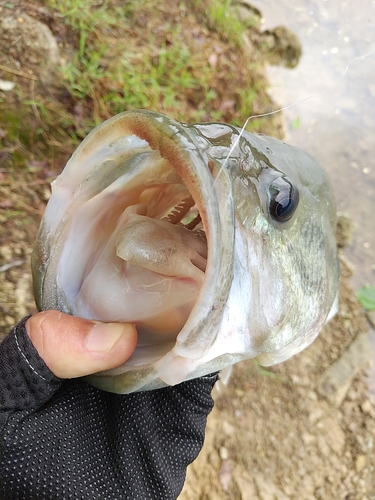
column 217, row 243
column 286, row 268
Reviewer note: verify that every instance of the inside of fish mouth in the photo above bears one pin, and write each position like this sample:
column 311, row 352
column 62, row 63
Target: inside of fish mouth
column 178, row 234
column 163, row 246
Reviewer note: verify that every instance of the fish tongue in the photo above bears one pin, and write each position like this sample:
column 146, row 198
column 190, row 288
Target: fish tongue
column 161, row 247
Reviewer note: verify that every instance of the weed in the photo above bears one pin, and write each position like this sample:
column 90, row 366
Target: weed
column 114, row 71
column 366, row 297
column 296, row 123
column 267, row 373
column 134, row 54
column 220, row 17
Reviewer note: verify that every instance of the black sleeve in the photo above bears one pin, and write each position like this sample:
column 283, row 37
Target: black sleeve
column 67, row 440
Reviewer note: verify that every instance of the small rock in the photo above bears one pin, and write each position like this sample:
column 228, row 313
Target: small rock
column 224, row 454
column 225, row 475
column 335, row 437
column 247, row 14
column 360, row 463
column 370, row 443
column 298, row 380
column 6, row 253
column 6, row 85
column 353, row 427
column 9, row 320
column 315, row 415
column 212, row 60
column 245, row 485
column 364, row 445
column 352, row 394
column 308, row 438
column 301, row 471
column 214, row 459
column 228, row 429
column 17, row 250
column 335, row 381
column 312, row 395
column 46, row 194
column 23, row 296
column 239, row 392
column 368, row 408
column 267, row 489
column 281, row 47
column 27, row 33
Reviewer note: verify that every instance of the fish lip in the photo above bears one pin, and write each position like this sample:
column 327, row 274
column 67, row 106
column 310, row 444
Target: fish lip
column 188, row 154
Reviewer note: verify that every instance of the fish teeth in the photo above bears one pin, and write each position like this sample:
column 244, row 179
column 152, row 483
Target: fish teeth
column 180, row 210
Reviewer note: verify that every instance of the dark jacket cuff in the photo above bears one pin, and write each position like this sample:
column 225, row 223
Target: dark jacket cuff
column 26, row 382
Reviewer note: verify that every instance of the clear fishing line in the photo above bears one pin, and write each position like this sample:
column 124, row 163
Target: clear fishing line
column 296, row 103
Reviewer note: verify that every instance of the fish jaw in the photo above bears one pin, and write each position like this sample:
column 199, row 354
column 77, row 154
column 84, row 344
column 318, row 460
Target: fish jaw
column 94, row 173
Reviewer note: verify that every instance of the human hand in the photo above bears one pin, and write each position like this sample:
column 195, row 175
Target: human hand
column 73, row 347
column 63, row 439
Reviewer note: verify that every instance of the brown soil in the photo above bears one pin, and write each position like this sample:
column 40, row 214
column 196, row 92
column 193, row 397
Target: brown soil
column 273, row 434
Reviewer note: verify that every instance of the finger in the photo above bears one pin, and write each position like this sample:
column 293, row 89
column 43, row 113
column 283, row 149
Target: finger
column 73, row 347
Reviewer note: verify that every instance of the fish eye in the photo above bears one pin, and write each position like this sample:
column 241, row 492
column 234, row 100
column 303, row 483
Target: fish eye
column 283, row 201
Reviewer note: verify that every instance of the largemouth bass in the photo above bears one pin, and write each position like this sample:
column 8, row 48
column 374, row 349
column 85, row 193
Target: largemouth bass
column 217, row 243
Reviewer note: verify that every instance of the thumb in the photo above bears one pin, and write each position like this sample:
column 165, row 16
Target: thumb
column 73, row 347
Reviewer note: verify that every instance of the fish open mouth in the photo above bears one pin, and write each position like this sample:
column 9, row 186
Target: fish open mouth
column 170, row 227
column 134, row 232
column 135, row 229
column 147, row 235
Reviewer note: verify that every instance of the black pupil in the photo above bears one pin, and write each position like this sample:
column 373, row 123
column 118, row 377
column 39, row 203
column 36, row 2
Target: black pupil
column 284, row 202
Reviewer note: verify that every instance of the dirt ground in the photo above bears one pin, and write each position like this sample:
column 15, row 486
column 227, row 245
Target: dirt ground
column 302, row 430
column 291, row 434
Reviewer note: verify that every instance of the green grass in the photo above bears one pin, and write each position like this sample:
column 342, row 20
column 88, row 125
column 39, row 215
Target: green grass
column 113, row 64
column 220, row 17
column 296, row 123
column 366, row 297
column 115, row 74
column 267, row 373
